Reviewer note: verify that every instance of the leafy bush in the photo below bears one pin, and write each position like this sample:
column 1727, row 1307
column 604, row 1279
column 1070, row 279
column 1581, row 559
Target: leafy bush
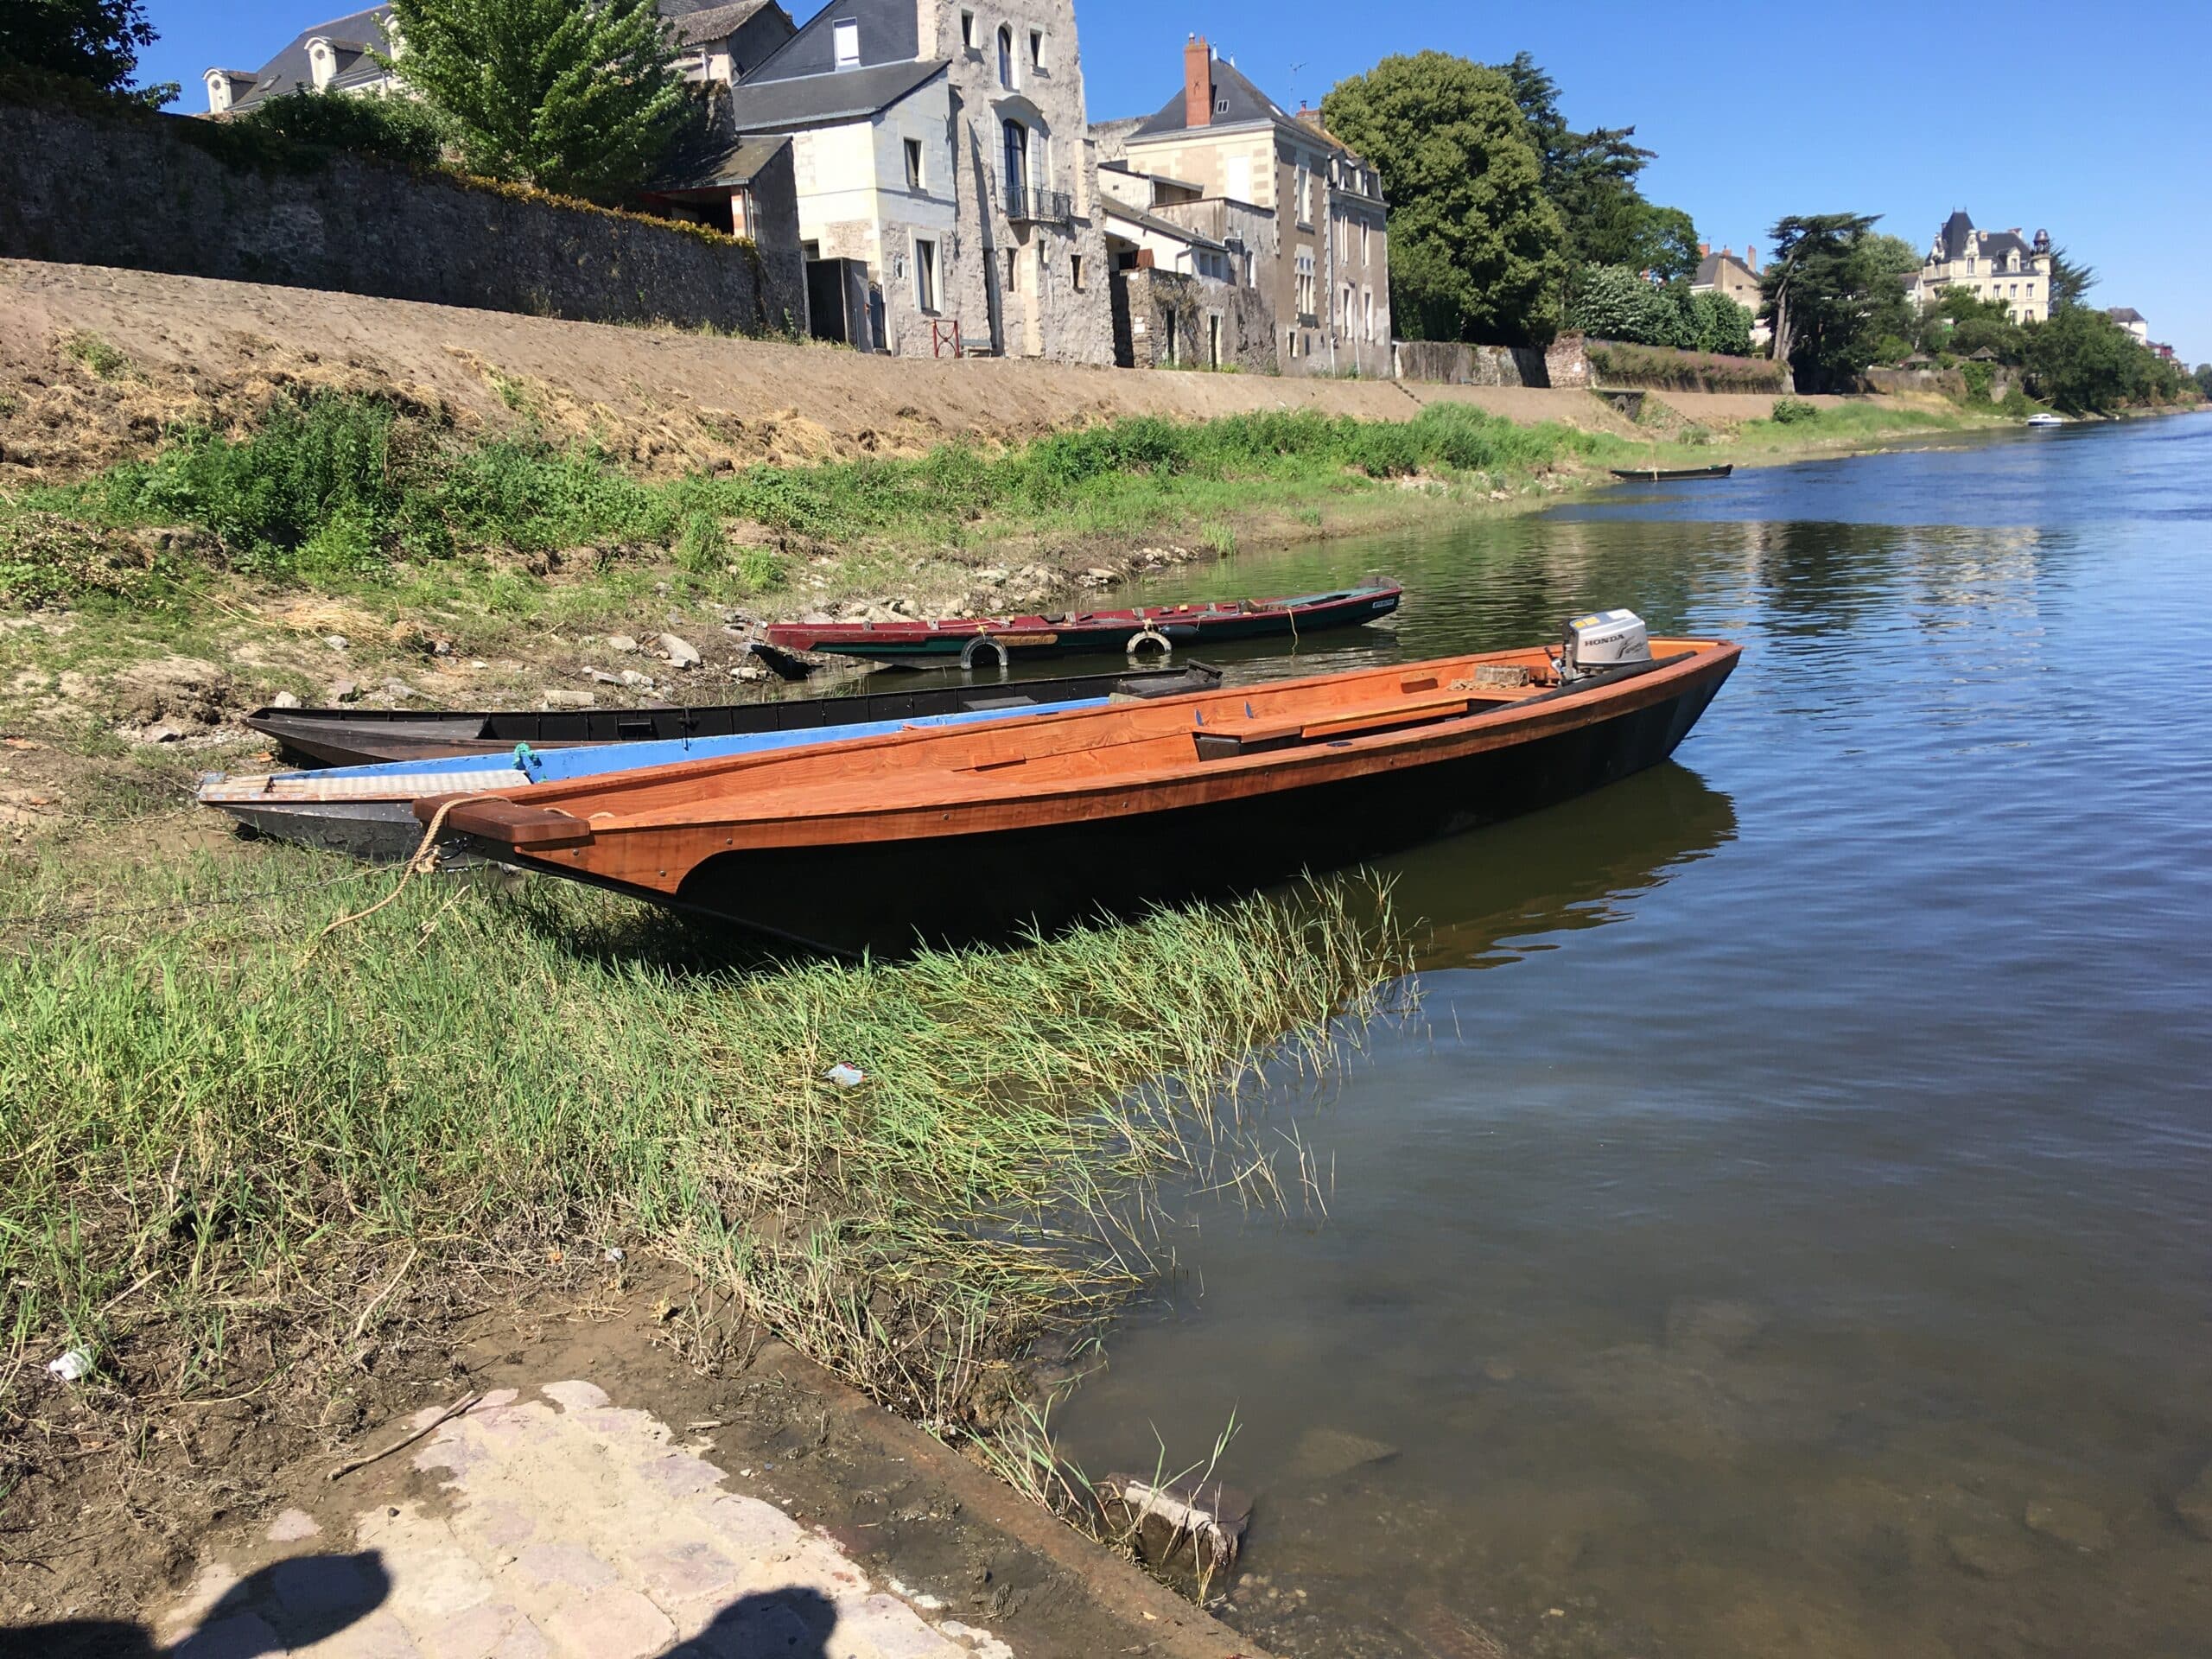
column 403, row 129
column 1787, row 411
column 1616, row 304
column 1719, row 325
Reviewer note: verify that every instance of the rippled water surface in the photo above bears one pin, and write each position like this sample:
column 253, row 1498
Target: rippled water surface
column 1787, row 1229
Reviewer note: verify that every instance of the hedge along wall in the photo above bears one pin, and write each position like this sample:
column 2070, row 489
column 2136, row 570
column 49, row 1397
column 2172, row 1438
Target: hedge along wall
column 135, row 189
column 1615, row 363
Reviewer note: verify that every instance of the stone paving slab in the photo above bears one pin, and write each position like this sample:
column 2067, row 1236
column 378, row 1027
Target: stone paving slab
column 563, row 1527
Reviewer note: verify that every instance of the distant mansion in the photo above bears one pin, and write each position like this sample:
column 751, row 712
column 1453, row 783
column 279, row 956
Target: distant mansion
column 1989, row 265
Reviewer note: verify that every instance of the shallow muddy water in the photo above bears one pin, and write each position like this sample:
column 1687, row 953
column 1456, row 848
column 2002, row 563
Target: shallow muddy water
column 1787, row 1229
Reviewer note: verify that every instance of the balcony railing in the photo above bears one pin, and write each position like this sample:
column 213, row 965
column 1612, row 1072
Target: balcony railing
column 1046, row 207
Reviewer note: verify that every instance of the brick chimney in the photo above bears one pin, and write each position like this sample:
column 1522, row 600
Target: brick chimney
column 1198, row 83
column 1704, row 248
column 1751, row 258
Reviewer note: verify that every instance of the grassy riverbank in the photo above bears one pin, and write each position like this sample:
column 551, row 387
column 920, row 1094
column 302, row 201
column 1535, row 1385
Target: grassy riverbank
column 239, row 1154
column 484, row 568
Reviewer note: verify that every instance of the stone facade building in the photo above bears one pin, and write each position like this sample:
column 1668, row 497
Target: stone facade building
column 1990, row 264
column 715, row 42
column 1188, row 288
column 1736, row 279
column 945, row 147
column 1329, row 279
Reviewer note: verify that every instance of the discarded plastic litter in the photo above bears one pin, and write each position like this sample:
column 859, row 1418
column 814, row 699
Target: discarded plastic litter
column 613, row 1253
column 846, row 1076
column 72, row 1367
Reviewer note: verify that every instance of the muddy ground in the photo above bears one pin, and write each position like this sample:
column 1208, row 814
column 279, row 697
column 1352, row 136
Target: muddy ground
column 116, row 1512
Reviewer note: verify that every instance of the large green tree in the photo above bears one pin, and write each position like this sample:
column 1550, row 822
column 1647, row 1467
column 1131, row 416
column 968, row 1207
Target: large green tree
column 1834, row 292
column 2069, row 283
column 1963, row 323
column 1593, row 178
column 96, row 40
column 1475, row 246
column 2084, row 362
column 577, row 96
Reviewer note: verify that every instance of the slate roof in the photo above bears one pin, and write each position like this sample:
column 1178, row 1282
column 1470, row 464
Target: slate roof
column 1247, row 104
column 1166, row 227
column 694, row 25
column 288, row 70
column 738, row 164
column 1708, row 269
column 1957, row 235
column 820, row 100
column 2125, row 313
column 889, row 33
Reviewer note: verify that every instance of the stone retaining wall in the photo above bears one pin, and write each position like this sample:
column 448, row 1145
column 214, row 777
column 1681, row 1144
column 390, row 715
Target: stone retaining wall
column 148, row 193
column 1449, row 363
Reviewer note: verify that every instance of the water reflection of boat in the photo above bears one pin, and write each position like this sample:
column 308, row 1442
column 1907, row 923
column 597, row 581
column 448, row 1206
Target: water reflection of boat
column 1487, row 898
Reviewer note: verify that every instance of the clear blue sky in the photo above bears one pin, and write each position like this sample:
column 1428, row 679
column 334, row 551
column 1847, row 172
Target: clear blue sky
column 2087, row 121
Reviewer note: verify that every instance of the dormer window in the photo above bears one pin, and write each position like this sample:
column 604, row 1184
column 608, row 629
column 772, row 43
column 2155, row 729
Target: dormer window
column 845, row 40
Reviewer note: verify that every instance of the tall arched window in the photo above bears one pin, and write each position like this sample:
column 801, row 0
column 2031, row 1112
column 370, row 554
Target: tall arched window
column 1006, row 78
column 1016, row 179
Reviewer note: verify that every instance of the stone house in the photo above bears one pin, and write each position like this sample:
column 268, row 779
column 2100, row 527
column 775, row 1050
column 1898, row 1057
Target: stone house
column 715, row 42
column 2132, row 320
column 1732, row 278
column 944, row 148
column 1186, row 275
column 1990, row 264
column 1328, row 282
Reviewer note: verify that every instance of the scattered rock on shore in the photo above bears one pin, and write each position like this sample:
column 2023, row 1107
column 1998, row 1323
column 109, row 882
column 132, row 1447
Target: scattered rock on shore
column 680, row 652
column 2194, row 1505
column 2070, row 1523
column 1324, row 1453
column 1989, row 1555
column 558, row 697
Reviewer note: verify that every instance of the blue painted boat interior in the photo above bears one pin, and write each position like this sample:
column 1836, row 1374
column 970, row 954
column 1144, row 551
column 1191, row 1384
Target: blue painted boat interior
column 559, row 765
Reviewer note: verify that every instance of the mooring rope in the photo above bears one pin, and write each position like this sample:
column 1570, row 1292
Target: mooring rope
column 423, row 862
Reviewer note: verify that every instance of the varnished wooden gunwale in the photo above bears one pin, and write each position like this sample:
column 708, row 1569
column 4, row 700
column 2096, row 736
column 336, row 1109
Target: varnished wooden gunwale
column 1058, row 770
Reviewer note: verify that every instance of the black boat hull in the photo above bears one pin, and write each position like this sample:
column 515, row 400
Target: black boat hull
column 349, row 737
column 886, row 899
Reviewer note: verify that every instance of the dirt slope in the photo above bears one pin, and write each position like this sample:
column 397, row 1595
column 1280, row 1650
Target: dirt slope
column 661, row 400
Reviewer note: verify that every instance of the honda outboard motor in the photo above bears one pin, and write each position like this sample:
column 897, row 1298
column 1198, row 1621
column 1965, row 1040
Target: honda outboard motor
column 1602, row 641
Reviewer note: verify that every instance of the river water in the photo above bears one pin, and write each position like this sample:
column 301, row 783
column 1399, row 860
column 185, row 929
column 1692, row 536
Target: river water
column 1787, row 1228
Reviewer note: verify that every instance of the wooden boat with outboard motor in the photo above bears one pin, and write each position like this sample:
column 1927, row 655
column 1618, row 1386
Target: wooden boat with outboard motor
column 1671, row 474
column 355, row 737
column 973, row 835
column 367, row 811
column 974, row 640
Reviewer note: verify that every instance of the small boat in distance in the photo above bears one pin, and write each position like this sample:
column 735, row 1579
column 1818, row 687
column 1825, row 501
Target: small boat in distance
column 958, row 835
column 1671, row 475
column 975, row 640
column 354, row 737
column 2045, row 418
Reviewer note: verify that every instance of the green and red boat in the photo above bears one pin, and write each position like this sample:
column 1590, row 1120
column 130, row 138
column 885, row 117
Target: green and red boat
column 973, row 641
